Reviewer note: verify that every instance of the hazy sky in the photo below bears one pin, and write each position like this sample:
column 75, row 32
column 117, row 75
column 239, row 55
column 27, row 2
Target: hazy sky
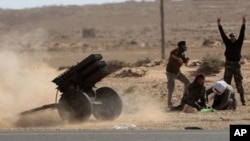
column 21, row 4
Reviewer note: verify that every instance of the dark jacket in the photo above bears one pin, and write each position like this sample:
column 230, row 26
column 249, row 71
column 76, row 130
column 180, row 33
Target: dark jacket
column 233, row 50
column 173, row 65
column 194, row 95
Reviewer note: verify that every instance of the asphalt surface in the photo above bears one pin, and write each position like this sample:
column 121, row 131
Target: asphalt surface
column 112, row 135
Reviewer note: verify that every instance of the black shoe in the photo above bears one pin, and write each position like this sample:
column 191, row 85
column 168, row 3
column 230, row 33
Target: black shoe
column 242, row 99
column 243, row 102
column 176, row 108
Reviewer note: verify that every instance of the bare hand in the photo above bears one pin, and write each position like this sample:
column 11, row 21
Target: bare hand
column 180, row 61
column 218, row 20
column 187, row 60
column 244, row 19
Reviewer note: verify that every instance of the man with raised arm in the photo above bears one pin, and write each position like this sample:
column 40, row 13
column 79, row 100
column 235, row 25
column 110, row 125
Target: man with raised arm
column 233, row 55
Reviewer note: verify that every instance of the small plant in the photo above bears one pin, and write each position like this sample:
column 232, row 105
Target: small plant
column 115, row 65
column 141, row 62
column 210, row 65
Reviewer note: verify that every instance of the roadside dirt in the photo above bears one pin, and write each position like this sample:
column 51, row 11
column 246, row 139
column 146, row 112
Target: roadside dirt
column 35, row 45
column 143, row 97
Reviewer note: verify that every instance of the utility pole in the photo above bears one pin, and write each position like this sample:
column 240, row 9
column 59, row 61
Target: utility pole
column 162, row 30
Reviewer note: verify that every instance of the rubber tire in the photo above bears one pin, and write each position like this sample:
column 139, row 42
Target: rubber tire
column 111, row 104
column 74, row 106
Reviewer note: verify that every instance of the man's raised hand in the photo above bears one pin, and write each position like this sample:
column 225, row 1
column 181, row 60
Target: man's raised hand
column 244, row 19
column 218, row 20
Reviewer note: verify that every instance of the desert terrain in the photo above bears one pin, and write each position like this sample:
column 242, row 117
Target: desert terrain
column 36, row 42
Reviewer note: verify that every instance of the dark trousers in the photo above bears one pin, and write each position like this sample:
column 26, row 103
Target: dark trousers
column 233, row 69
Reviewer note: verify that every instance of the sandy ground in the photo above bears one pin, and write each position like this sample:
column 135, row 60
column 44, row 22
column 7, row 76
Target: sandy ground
column 33, row 48
column 27, row 84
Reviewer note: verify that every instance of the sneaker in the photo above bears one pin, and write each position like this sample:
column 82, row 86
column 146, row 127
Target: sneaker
column 176, row 108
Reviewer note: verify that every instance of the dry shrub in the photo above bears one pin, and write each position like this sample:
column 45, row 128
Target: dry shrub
column 115, row 65
column 210, row 65
column 88, row 33
column 142, row 62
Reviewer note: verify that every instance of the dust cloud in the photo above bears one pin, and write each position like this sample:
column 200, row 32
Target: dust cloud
column 25, row 78
column 140, row 107
column 26, row 84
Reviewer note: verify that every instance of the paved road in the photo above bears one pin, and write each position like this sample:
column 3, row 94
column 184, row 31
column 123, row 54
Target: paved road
column 112, row 135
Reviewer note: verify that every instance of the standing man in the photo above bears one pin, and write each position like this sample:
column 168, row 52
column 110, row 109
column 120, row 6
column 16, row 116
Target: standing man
column 176, row 59
column 233, row 56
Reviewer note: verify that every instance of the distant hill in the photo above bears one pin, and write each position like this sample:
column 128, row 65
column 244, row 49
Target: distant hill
column 190, row 20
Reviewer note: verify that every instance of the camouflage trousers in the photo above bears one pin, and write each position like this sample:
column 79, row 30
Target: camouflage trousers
column 171, row 84
column 233, row 69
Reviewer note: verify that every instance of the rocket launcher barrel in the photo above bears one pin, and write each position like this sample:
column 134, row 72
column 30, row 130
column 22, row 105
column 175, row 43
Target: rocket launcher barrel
column 84, row 74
